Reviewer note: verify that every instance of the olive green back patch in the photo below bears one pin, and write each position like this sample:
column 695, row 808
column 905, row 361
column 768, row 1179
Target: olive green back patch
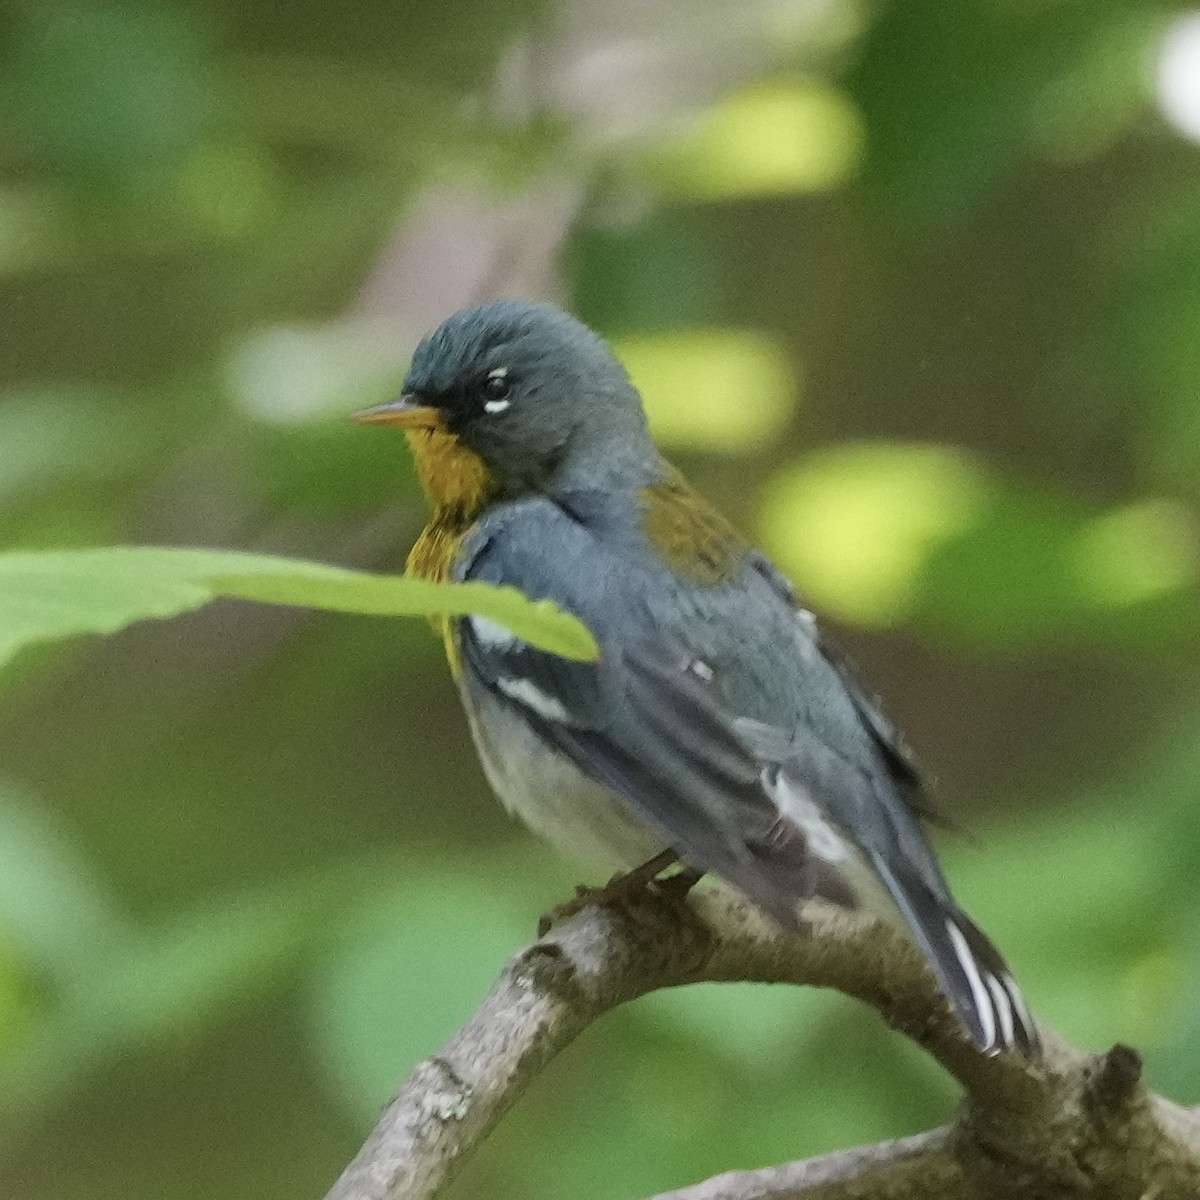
column 690, row 535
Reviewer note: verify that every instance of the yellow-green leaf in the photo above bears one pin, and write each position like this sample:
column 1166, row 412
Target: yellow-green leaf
column 62, row 593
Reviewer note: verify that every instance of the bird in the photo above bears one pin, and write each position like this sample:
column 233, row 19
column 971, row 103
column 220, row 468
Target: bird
column 718, row 727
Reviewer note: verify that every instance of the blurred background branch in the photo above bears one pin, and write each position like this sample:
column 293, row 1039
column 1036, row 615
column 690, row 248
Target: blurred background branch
column 913, row 294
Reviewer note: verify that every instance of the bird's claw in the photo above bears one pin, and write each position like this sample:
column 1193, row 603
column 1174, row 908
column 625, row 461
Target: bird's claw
column 626, row 887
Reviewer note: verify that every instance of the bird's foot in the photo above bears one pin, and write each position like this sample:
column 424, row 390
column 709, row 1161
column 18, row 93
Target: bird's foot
column 627, row 887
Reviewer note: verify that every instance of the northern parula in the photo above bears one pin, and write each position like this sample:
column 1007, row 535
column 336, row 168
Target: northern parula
column 718, row 723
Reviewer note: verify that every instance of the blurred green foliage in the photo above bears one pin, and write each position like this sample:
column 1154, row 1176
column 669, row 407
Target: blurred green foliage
column 913, row 293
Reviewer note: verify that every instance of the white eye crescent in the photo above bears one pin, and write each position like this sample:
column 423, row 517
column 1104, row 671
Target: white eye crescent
column 496, row 387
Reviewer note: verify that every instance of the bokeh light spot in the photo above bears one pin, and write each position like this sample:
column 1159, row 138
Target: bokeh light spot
column 775, row 137
column 855, row 525
column 1179, row 76
column 1138, row 552
column 712, row 389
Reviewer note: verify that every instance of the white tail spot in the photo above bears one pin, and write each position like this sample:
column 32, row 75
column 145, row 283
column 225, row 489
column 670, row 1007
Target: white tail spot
column 979, row 991
column 1018, row 1003
column 1004, row 1008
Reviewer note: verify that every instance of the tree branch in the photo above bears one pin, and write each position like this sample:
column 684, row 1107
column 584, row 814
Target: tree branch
column 924, row 1165
column 1072, row 1125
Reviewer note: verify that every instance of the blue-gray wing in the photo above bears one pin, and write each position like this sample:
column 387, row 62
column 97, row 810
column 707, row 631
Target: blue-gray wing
column 753, row 756
column 893, row 747
column 639, row 720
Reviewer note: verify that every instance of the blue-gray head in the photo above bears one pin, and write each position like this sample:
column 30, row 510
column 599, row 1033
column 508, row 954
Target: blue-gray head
column 524, row 387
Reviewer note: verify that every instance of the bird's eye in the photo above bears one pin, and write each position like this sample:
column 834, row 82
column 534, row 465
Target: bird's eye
column 496, row 387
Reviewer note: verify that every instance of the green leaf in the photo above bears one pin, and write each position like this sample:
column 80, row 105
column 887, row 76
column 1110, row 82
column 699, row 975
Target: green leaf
column 55, row 594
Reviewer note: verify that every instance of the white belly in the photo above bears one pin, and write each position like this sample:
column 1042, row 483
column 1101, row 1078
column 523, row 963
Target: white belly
column 582, row 819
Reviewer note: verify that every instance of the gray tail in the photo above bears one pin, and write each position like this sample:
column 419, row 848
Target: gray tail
column 969, row 969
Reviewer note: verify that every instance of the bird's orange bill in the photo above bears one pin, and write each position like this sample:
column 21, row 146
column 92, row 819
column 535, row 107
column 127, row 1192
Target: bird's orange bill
column 404, row 411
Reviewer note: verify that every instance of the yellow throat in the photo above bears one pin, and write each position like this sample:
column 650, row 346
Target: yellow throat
column 457, row 483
